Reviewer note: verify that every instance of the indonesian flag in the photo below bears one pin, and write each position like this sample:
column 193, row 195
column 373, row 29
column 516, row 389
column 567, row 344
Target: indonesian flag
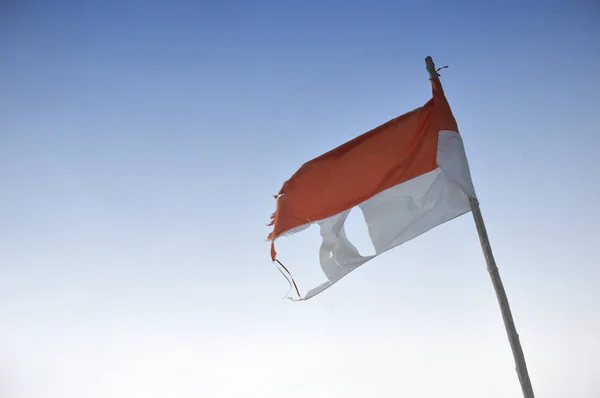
column 407, row 176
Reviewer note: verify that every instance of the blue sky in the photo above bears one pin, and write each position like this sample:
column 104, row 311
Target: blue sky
column 140, row 144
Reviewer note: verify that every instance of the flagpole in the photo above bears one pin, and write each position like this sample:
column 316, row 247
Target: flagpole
column 509, row 324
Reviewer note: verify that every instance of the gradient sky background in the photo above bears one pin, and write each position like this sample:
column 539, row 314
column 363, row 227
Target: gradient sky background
column 140, row 144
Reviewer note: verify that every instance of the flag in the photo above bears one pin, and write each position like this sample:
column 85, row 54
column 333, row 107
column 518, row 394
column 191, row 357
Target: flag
column 407, row 176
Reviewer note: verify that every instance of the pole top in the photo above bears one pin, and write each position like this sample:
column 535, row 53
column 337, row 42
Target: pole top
column 430, row 66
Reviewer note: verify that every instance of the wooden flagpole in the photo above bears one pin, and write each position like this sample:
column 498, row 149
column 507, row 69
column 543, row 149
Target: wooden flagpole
column 509, row 324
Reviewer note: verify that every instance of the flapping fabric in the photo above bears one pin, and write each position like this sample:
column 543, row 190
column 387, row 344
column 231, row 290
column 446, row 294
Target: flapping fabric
column 406, row 176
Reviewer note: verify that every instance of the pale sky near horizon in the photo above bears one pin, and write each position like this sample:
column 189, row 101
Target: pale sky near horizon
column 141, row 144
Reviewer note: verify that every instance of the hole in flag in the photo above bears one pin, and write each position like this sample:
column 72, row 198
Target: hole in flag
column 358, row 232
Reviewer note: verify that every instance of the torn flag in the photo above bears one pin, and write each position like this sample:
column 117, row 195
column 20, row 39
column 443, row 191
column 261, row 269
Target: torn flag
column 407, row 176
